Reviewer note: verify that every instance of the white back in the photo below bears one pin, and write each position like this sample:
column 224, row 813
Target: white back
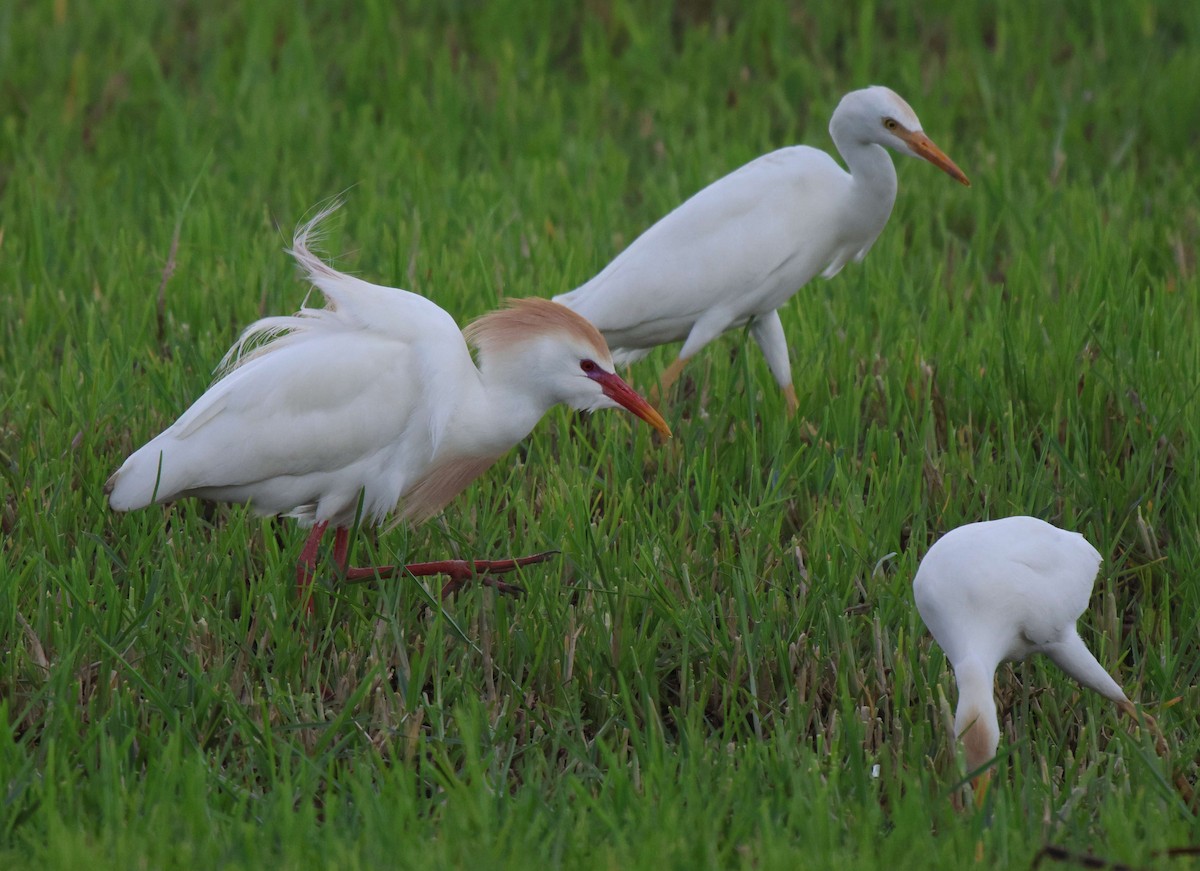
column 334, row 399
column 741, row 246
column 1004, row 588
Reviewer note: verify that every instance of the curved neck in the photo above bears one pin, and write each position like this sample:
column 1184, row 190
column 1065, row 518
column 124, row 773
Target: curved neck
column 506, row 399
column 871, row 168
column 975, row 720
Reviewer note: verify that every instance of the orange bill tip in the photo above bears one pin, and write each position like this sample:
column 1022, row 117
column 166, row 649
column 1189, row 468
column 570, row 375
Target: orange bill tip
column 628, row 398
column 924, row 147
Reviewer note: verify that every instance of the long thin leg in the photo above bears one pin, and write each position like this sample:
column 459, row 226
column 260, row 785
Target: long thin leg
column 341, row 544
column 307, row 565
column 767, row 330
column 460, row 572
column 669, row 376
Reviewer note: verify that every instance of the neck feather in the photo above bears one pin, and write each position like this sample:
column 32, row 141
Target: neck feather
column 508, row 401
column 975, row 718
column 870, row 165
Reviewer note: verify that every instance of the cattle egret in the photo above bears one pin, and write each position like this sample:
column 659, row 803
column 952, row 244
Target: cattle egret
column 1001, row 590
column 739, row 249
column 374, row 397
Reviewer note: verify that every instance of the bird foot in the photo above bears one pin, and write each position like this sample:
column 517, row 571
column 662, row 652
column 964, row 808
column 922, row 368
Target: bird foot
column 460, row 572
column 455, row 584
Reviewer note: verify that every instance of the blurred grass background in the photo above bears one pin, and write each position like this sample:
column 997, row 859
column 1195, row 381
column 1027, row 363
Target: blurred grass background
column 725, row 668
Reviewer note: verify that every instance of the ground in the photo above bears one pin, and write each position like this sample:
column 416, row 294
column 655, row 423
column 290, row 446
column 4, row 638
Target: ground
column 725, row 666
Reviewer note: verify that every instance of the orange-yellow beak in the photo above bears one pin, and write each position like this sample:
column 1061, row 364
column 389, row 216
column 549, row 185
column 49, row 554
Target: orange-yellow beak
column 923, row 147
column 624, row 395
column 979, row 786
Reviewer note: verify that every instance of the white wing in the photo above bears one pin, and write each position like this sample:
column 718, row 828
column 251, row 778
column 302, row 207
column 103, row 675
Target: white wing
column 743, row 245
column 335, row 401
column 1011, row 586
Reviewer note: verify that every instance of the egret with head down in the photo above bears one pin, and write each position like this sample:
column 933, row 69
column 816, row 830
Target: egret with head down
column 1002, row 590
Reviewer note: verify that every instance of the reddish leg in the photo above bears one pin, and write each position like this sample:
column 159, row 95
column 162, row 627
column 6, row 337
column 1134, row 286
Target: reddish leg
column 341, row 543
column 461, row 572
column 307, row 565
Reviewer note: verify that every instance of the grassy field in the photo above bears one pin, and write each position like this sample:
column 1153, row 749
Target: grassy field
column 725, row 666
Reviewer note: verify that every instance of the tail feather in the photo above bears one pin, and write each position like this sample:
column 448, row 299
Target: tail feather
column 139, row 481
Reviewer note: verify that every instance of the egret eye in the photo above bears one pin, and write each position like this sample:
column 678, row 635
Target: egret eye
column 891, row 124
column 588, row 367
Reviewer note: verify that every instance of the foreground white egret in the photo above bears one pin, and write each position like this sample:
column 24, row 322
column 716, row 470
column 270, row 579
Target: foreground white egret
column 1001, row 590
column 740, row 248
column 376, row 395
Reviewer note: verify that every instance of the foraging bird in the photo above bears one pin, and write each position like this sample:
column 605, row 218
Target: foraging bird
column 374, row 396
column 1001, row 590
column 739, row 249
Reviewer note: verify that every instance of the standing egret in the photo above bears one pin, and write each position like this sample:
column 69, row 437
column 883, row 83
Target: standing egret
column 740, row 248
column 374, row 397
column 1001, row 590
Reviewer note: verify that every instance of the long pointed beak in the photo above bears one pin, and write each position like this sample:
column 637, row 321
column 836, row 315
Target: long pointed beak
column 625, row 396
column 923, row 147
column 979, row 786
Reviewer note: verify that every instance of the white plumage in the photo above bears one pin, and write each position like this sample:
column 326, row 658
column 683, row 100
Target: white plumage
column 377, row 394
column 1002, row 590
column 304, row 423
column 740, row 248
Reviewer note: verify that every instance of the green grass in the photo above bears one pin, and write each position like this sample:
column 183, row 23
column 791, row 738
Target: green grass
column 728, row 645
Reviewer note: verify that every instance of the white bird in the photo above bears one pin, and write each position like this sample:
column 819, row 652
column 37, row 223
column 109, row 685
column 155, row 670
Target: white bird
column 376, row 396
column 740, row 248
column 1002, row 590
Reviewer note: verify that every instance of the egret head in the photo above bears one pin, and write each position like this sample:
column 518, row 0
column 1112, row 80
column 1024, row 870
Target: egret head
column 880, row 116
column 557, row 354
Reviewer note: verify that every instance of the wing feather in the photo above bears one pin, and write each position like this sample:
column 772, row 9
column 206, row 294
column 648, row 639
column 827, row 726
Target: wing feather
column 351, row 387
column 726, row 244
